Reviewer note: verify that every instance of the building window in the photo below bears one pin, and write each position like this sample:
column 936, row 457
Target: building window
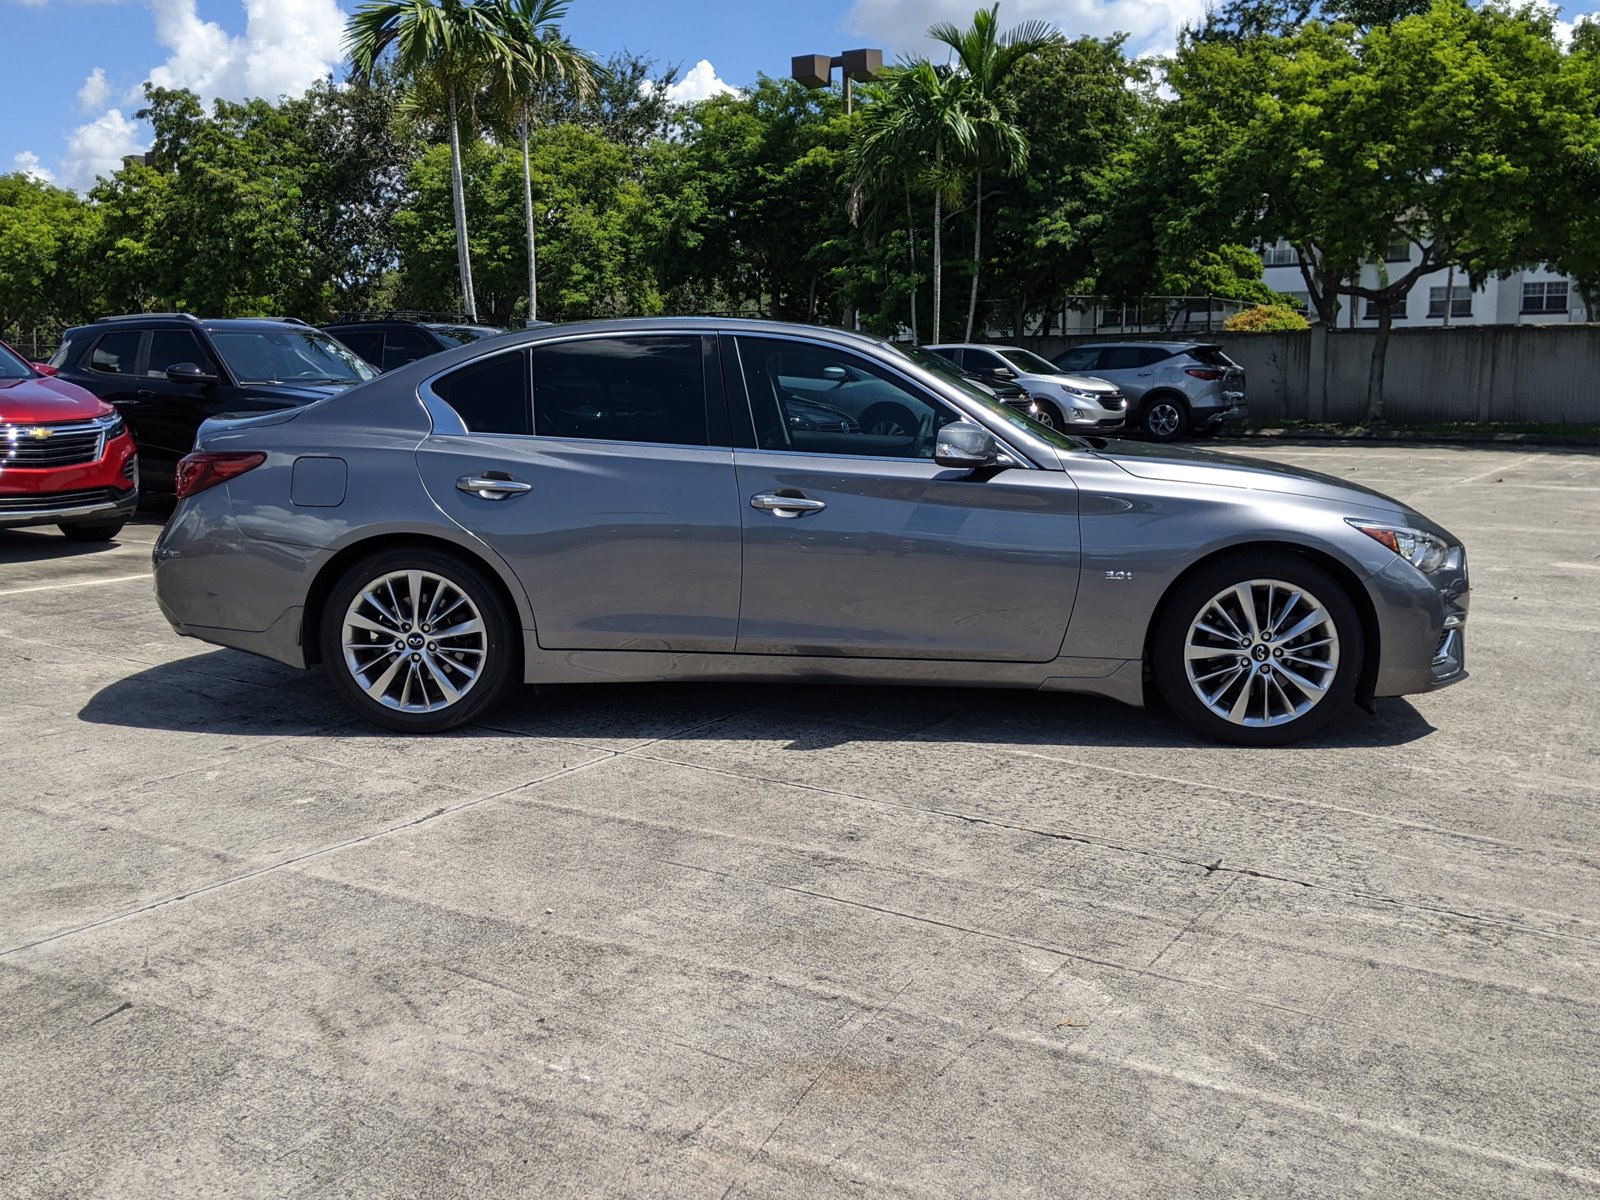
column 1460, row 301
column 1398, row 250
column 1546, row 296
column 1279, row 254
column 1370, row 312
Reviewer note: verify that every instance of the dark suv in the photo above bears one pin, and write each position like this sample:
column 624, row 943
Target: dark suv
column 394, row 342
column 167, row 372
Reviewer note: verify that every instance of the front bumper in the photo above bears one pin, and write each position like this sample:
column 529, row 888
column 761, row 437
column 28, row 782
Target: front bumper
column 1422, row 628
column 106, row 489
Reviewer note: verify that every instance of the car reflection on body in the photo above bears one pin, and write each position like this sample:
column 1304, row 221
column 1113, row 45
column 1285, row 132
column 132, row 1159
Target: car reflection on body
column 635, row 500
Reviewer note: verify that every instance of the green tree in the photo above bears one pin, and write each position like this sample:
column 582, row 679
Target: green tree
column 445, row 48
column 543, row 58
column 1437, row 129
column 43, row 232
column 990, row 61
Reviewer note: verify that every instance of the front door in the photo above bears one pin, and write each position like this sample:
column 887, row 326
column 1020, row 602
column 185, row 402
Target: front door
column 879, row 551
column 593, row 467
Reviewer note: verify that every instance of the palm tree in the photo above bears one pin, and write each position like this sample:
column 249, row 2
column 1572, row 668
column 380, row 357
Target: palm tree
column 543, row 57
column 442, row 47
column 988, row 59
column 918, row 128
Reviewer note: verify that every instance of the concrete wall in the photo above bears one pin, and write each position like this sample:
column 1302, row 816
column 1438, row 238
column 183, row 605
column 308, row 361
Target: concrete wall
column 1511, row 373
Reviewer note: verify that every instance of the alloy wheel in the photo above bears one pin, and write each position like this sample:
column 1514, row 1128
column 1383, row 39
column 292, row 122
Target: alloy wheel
column 1163, row 420
column 414, row 641
column 1262, row 653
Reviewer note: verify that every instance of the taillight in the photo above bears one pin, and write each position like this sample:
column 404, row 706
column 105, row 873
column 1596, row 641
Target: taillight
column 197, row 472
column 1206, row 373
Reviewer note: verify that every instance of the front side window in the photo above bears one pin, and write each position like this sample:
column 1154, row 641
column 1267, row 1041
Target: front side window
column 490, row 395
column 816, row 398
column 169, row 347
column 1078, row 360
column 648, row 388
column 289, row 356
column 116, row 353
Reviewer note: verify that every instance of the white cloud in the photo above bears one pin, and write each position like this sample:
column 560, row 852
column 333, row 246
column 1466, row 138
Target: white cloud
column 699, row 83
column 98, row 148
column 27, row 162
column 287, row 46
column 898, row 25
column 95, row 91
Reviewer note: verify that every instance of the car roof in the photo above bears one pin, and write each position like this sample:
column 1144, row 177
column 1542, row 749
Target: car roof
column 173, row 320
column 1173, row 346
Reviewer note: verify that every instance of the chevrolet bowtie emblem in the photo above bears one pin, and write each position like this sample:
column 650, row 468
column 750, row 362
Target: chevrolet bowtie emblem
column 39, row 435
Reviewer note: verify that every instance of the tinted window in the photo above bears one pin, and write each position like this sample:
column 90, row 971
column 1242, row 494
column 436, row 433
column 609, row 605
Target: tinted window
column 490, row 395
column 623, row 389
column 115, row 353
column 402, row 346
column 1078, row 360
column 1149, row 356
column 169, row 347
column 981, row 361
column 1212, row 356
column 1121, row 358
column 366, row 342
column 813, row 397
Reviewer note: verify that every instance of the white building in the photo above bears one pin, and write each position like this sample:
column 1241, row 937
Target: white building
column 1537, row 296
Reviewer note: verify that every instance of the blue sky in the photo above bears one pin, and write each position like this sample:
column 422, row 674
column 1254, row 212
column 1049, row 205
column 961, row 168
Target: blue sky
column 72, row 69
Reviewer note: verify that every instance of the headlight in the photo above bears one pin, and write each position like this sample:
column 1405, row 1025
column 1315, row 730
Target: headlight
column 113, row 426
column 1422, row 550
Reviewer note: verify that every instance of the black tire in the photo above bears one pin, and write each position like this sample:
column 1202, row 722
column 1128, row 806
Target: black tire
column 91, row 531
column 890, row 420
column 496, row 649
column 1049, row 415
column 1271, row 578
column 1164, row 418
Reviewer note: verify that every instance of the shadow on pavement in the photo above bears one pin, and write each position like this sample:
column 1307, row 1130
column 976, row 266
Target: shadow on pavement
column 230, row 693
column 44, row 543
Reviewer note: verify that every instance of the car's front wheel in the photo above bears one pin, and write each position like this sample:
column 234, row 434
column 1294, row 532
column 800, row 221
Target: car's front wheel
column 418, row 641
column 1165, row 418
column 1258, row 649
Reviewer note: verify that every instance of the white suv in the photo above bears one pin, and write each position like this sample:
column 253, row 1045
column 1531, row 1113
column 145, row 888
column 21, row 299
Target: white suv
column 1173, row 387
column 1060, row 399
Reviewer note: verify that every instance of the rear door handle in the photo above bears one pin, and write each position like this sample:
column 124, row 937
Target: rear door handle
column 787, row 507
column 492, row 489
column 144, row 394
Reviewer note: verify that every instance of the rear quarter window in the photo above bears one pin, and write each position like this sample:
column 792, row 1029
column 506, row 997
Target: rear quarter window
column 491, row 395
column 1211, row 356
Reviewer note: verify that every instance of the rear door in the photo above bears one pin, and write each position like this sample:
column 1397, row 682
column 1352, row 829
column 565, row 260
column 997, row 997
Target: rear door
column 858, row 544
column 599, row 468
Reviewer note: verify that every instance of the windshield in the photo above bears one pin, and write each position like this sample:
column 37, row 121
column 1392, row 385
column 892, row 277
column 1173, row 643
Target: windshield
column 460, row 335
column 1029, row 362
column 12, row 366
column 289, row 356
column 937, row 364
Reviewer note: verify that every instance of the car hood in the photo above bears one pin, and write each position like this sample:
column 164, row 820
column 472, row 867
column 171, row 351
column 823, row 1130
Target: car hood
column 45, row 399
column 1182, row 464
column 1081, row 383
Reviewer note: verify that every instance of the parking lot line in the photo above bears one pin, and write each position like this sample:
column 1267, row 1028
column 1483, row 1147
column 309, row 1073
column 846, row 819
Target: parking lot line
column 51, row 587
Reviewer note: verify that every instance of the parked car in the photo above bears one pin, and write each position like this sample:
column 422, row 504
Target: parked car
column 1173, row 387
column 627, row 500
column 387, row 344
column 167, row 372
column 65, row 457
column 1060, row 400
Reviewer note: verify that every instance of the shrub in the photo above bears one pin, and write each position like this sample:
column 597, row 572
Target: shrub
column 1266, row 318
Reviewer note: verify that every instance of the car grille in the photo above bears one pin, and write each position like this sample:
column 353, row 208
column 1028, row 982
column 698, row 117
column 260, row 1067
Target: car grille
column 51, row 445
column 1113, row 402
column 49, row 501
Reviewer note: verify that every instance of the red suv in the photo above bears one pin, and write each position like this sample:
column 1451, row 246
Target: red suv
column 65, row 456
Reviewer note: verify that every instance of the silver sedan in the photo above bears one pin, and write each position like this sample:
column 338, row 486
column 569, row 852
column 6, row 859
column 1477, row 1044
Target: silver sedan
column 651, row 500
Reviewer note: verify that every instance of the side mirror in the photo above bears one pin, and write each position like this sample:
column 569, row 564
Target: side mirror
column 43, row 368
column 963, row 444
column 1003, row 373
column 835, row 373
column 188, row 373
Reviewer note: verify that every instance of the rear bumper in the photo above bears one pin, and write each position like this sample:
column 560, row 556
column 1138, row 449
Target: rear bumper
column 1233, row 409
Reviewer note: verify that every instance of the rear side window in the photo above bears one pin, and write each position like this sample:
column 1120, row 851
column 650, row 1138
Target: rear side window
column 1149, row 356
column 490, row 395
column 622, row 389
column 169, row 347
column 116, row 353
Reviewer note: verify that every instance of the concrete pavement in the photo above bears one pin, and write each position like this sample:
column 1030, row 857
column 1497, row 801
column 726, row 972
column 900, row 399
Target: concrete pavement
column 725, row 941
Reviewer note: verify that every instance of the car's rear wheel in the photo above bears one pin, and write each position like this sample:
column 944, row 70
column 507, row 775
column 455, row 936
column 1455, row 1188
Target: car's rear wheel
column 1164, row 418
column 91, row 531
column 418, row 641
column 1258, row 650
column 891, row 420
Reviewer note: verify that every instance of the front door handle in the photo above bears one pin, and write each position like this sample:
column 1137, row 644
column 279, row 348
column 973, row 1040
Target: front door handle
column 787, row 507
column 144, row 394
column 492, row 489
